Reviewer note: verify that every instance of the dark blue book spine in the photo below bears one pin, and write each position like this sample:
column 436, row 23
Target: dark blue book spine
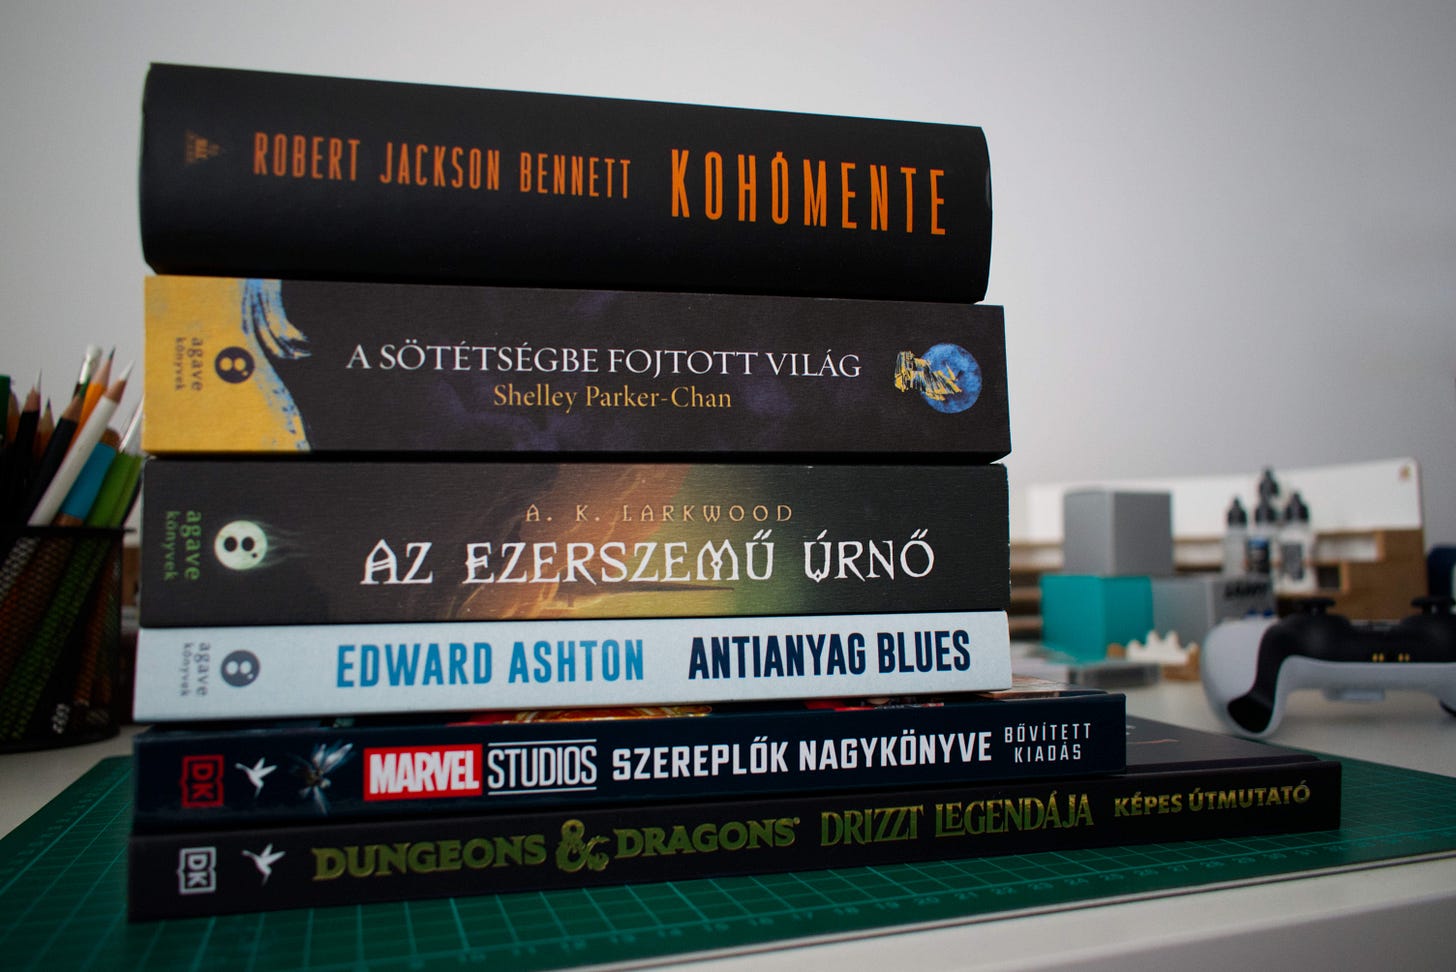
column 242, row 775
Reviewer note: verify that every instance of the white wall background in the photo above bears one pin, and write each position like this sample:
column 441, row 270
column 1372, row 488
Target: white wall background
column 1225, row 232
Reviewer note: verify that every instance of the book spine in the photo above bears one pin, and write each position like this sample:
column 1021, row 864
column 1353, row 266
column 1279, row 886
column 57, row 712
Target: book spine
column 227, row 778
column 177, row 875
column 250, row 366
column 259, row 174
column 240, row 542
column 188, row 674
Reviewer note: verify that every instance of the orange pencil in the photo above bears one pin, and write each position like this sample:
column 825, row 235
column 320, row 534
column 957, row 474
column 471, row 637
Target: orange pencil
column 96, row 388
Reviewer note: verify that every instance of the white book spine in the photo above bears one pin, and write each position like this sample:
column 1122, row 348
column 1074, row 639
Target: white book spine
column 317, row 670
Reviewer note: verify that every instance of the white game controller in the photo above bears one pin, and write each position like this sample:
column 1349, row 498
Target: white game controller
column 1249, row 666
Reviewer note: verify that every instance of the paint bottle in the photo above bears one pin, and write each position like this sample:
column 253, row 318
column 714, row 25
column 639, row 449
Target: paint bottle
column 1296, row 542
column 1260, row 546
column 1236, row 540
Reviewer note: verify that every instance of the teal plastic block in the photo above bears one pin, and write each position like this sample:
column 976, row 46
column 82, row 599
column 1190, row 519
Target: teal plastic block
column 1081, row 614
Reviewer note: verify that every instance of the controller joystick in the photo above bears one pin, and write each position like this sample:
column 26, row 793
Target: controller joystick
column 1251, row 665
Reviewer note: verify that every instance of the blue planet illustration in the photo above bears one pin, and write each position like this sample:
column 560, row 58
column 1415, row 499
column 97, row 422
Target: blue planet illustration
column 953, row 378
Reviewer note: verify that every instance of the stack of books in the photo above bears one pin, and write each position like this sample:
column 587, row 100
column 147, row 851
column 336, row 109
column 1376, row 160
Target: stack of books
column 556, row 491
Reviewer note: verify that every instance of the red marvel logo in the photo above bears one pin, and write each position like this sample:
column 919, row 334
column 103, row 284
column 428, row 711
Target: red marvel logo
column 421, row 772
column 202, row 781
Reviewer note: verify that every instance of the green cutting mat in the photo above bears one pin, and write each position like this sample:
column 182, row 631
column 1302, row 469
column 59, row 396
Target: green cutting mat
column 62, row 894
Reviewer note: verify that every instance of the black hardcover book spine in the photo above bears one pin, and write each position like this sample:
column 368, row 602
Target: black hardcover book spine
column 178, row 875
column 252, row 542
column 251, row 173
column 240, row 775
column 253, row 366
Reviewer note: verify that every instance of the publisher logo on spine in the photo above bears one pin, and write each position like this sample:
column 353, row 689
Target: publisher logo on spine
column 240, row 545
column 234, row 365
column 198, row 148
column 422, row 772
column 197, row 870
column 240, row 668
column 201, row 781
column 947, row 376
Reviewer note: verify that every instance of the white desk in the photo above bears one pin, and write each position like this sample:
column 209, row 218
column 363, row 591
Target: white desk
column 1395, row 917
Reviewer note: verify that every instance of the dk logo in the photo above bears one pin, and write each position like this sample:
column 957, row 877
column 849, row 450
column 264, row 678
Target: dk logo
column 197, row 870
column 201, row 781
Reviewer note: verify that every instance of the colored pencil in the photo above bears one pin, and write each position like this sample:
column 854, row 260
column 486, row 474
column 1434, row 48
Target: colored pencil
column 88, row 369
column 56, row 613
column 96, row 388
column 57, row 449
column 84, row 441
column 8, row 428
column 119, row 487
column 82, row 495
column 71, row 569
column 17, row 473
column 44, row 429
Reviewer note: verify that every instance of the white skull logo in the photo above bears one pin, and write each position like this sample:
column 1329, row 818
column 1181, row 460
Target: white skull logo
column 240, row 545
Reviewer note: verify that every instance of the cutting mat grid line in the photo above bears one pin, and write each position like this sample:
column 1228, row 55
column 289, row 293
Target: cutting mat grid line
column 63, row 894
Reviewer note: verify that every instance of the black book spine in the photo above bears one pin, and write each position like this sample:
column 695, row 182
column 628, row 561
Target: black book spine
column 242, row 776
column 177, row 875
column 259, row 174
column 240, row 542
column 251, row 366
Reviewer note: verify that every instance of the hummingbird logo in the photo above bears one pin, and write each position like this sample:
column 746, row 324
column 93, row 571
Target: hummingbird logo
column 264, row 860
column 256, row 773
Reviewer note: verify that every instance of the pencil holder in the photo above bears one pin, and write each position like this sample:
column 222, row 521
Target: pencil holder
column 60, row 636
